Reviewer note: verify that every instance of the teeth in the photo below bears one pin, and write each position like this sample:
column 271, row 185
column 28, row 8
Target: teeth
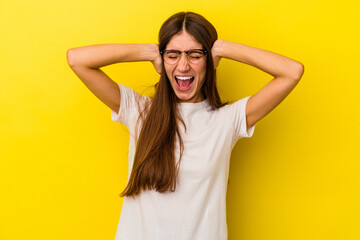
column 184, row 78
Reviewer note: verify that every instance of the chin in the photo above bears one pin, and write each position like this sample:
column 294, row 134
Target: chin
column 185, row 100
column 188, row 97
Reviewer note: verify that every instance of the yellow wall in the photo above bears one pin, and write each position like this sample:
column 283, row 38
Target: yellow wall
column 63, row 162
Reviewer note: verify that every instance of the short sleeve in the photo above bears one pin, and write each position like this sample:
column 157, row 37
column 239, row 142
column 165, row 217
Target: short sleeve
column 128, row 110
column 238, row 111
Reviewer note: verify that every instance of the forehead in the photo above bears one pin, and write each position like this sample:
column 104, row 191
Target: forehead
column 183, row 41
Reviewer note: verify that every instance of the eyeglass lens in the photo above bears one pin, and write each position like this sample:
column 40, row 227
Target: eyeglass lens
column 194, row 56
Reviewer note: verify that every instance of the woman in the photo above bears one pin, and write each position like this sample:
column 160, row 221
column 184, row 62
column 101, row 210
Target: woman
column 181, row 139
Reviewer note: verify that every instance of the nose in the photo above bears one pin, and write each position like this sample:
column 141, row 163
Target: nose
column 183, row 64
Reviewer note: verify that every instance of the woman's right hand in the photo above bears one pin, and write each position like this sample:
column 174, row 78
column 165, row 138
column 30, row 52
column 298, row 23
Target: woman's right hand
column 157, row 59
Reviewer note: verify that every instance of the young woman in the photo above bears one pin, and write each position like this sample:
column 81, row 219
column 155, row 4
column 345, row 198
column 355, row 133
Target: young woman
column 181, row 139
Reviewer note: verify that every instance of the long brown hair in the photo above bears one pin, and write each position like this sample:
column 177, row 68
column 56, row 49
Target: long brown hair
column 154, row 163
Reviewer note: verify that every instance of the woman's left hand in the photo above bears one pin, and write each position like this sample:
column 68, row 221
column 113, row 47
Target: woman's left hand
column 215, row 52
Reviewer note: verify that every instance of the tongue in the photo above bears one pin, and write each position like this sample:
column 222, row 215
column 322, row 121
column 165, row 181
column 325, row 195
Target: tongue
column 184, row 84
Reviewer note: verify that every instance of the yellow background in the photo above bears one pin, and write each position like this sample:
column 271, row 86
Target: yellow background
column 63, row 162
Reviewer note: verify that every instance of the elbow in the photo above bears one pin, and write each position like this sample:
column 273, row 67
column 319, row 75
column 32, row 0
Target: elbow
column 70, row 57
column 301, row 70
column 297, row 71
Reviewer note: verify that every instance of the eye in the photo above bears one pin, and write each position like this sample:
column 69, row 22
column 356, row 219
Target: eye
column 195, row 54
column 172, row 54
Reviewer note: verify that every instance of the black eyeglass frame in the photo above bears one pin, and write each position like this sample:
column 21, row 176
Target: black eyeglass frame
column 187, row 52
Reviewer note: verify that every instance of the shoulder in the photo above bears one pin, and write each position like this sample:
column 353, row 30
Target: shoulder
column 235, row 107
column 131, row 105
column 132, row 97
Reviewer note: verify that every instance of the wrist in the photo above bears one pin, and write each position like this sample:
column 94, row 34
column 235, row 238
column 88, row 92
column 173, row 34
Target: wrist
column 152, row 52
column 219, row 48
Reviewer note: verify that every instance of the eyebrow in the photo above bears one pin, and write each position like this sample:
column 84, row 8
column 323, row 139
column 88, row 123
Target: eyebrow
column 171, row 49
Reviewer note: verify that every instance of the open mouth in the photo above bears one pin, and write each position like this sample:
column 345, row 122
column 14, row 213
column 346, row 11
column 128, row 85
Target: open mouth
column 184, row 83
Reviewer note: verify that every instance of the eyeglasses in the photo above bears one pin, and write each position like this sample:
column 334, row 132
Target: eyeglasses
column 194, row 56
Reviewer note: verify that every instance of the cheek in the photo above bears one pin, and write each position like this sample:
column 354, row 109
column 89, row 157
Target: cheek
column 202, row 74
column 168, row 72
column 202, row 71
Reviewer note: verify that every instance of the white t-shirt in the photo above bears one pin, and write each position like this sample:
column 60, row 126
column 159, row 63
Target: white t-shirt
column 197, row 208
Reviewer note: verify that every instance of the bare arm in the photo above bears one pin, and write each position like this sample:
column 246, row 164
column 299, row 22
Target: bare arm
column 86, row 63
column 286, row 72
